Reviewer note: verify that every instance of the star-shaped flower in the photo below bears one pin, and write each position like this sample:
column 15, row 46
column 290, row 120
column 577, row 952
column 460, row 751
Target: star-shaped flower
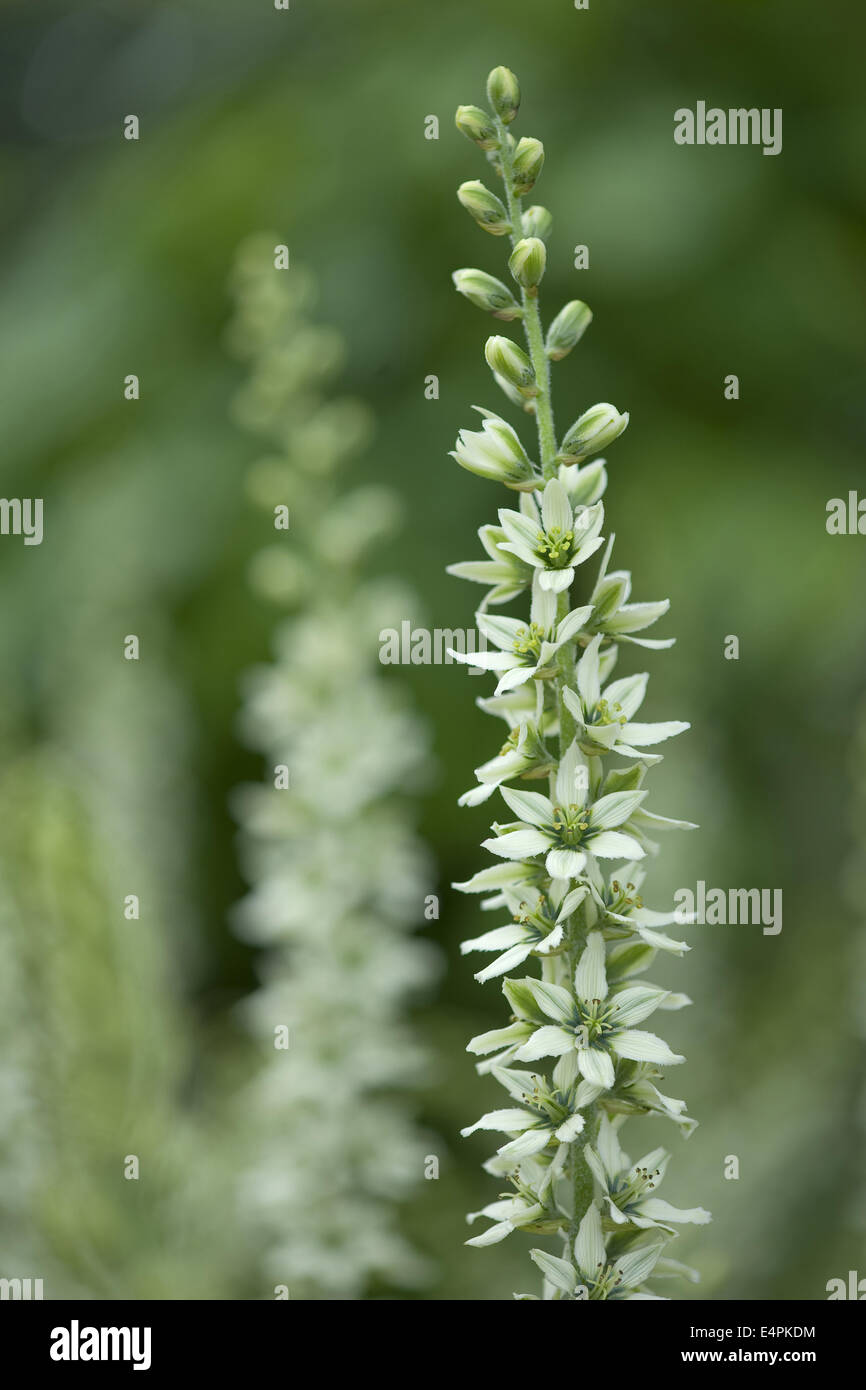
column 627, row 1187
column 594, row 1022
column 593, row 1276
column 567, row 831
column 533, row 932
column 618, row 619
column 545, row 1117
column 558, row 540
column 605, row 722
column 525, row 652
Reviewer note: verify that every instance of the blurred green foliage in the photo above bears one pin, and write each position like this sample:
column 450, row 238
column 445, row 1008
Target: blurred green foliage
column 702, row 262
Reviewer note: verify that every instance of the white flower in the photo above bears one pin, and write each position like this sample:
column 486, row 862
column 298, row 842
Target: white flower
column 555, row 543
column 593, row 1023
column 593, row 1277
column 495, row 452
column 628, row 1186
column 524, row 651
column 604, row 720
column 568, row 831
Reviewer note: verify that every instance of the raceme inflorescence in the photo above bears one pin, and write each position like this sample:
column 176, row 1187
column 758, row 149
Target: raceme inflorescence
column 336, row 870
column 575, row 1058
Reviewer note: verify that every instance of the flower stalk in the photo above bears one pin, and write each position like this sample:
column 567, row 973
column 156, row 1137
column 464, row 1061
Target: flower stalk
column 571, row 1059
column 337, row 873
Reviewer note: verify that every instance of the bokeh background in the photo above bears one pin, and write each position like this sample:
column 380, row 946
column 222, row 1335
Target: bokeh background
column 116, row 258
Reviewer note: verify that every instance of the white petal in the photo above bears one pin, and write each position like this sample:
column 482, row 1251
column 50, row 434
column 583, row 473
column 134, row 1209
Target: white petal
column 554, row 1000
column 519, row 675
column 596, row 1066
column 643, row 1047
column 487, row 661
column 565, row 863
column 572, row 623
column 507, row 1121
column 503, row 963
column 496, row 940
column 476, row 795
column 531, row 807
column 517, row 844
column 628, row 692
column 644, row 735
column 572, row 778
column 590, row 980
column 614, row 809
column 570, row 1128
column 659, row 1210
column 557, row 581
column 587, row 674
column 556, row 509
column 548, row 1041
column 589, row 1251
column 557, row 1272
column 612, row 844
column 636, row 1003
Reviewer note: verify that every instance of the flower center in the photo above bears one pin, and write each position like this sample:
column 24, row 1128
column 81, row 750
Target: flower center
column 622, row 899
column 570, row 823
column 630, row 1187
column 528, row 640
column 606, row 1279
column 557, row 548
column 594, row 1017
column 607, row 714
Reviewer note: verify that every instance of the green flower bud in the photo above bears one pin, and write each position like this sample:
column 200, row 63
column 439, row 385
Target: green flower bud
column 537, row 221
column 609, row 595
column 527, row 262
column 503, row 93
column 506, row 359
column 567, row 329
column 488, row 293
column 495, row 453
column 595, row 429
column 526, row 165
column 476, row 125
column 488, row 210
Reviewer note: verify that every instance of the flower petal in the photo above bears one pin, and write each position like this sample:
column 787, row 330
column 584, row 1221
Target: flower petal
column 643, row 1047
column 516, row 844
column 596, row 1066
column 589, row 1251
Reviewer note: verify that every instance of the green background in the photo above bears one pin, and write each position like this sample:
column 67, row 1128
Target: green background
column 703, row 262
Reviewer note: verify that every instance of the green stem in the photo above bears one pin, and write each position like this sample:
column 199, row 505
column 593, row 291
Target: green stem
column 531, row 323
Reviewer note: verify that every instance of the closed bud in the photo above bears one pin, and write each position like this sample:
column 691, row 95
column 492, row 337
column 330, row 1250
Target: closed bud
column 527, row 262
column 537, row 221
column 488, row 293
column 609, row 594
column 488, row 210
column 477, row 125
column 506, row 359
column 567, row 329
column 495, row 452
column 526, row 165
column 503, row 93
column 595, row 429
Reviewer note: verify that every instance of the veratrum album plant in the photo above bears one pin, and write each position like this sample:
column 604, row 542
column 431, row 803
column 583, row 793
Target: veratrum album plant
column 337, row 873
column 575, row 1058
